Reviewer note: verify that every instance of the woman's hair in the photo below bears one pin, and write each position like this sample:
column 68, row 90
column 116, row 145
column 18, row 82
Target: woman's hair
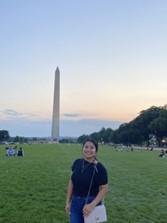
column 92, row 141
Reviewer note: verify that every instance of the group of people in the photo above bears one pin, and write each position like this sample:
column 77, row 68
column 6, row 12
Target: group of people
column 13, row 151
column 163, row 153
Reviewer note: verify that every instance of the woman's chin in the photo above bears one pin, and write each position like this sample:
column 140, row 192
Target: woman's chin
column 89, row 157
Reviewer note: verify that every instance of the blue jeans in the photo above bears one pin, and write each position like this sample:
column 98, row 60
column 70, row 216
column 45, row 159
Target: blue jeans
column 76, row 212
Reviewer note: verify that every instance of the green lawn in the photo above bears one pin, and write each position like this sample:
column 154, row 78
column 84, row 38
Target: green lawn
column 33, row 188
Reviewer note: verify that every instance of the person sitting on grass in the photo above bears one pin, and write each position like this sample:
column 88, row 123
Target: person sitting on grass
column 9, row 151
column 20, row 152
column 162, row 153
column 166, row 153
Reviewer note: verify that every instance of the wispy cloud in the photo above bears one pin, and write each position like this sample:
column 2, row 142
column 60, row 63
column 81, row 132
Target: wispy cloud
column 31, row 125
column 77, row 116
column 11, row 112
column 72, row 115
column 11, row 115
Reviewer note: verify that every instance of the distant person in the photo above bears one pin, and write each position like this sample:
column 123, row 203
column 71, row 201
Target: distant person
column 162, row 153
column 20, row 152
column 10, row 151
column 78, row 204
column 166, row 153
column 152, row 148
column 131, row 148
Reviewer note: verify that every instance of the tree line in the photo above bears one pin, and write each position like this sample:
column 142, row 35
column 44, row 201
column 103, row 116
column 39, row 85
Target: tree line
column 149, row 122
column 5, row 137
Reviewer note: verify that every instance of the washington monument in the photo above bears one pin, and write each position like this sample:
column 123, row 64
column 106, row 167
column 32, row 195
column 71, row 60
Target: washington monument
column 56, row 107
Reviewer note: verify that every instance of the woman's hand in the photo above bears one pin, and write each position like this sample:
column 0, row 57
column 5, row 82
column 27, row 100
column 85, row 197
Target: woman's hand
column 87, row 209
column 67, row 207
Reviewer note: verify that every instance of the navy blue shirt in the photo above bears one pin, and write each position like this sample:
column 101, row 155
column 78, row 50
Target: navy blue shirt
column 82, row 172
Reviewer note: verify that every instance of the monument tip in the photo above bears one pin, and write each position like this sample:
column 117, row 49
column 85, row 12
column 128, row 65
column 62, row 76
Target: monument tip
column 57, row 70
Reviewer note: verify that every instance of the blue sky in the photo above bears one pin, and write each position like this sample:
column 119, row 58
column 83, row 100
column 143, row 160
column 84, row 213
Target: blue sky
column 111, row 55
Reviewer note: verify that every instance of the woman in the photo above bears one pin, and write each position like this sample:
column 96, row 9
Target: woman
column 78, row 204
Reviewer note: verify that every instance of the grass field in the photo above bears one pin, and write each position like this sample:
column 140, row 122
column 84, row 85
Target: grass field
column 33, row 188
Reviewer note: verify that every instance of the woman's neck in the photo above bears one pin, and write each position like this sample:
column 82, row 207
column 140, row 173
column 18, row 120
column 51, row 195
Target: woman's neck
column 90, row 160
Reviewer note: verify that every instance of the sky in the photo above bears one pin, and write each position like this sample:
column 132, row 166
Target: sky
column 111, row 55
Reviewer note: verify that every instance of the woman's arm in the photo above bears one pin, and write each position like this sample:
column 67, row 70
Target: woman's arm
column 89, row 207
column 69, row 196
column 102, row 192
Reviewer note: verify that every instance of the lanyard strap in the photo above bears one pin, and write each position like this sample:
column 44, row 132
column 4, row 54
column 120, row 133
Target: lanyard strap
column 90, row 186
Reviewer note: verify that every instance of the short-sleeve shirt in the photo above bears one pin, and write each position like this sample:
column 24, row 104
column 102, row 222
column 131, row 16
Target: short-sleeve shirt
column 82, row 172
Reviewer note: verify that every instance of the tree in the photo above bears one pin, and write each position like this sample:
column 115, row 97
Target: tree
column 82, row 138
column 20, row 139
column 4, row 135
column 159, row 126
column 150, row 121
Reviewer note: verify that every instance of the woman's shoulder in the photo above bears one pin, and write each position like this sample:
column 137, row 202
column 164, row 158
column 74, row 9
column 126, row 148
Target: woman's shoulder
column 76, row 162
column 100, row 163
column 102, row 174
column 100, row 166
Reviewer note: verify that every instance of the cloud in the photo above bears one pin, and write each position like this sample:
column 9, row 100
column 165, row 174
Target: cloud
column 11, row 113
column 72, row 115
column 24, row 124
column 78, row 116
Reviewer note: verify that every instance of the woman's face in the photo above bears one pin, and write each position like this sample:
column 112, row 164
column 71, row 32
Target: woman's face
column 89, row 150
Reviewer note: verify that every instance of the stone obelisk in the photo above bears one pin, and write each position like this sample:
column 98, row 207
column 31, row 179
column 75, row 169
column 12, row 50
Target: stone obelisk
column 56, row 107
